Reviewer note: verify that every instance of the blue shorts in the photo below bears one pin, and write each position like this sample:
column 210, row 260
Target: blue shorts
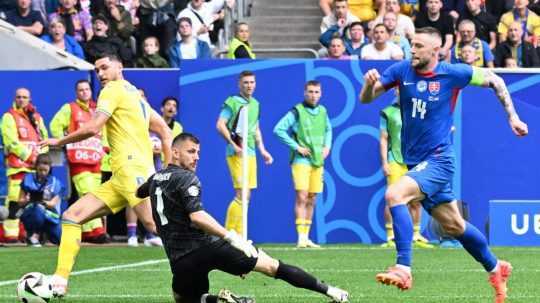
column 434, row 177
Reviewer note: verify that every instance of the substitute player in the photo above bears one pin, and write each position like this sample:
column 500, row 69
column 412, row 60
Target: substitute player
column 428, row 90
column 227, row 126
column 127, row 118
column 196, row 243
column 307, row 131
column 393, row 169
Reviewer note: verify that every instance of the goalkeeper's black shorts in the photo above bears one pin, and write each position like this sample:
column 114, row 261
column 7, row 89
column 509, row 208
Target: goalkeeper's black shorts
column 190, row 272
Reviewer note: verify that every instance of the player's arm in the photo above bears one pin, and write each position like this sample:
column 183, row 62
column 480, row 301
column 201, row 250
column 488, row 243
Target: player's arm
column 223, row 130
column 160, row 127
column 260, row 145
column 487, row 78
column 372, row 88
column 90, row 129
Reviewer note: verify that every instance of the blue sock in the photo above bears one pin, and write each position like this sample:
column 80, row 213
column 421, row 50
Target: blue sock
column 149, row 235
column 131, row 230
column 403, row 233
column 476, row 245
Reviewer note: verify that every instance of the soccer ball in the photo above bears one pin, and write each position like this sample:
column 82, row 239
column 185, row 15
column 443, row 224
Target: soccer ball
column 34, row 287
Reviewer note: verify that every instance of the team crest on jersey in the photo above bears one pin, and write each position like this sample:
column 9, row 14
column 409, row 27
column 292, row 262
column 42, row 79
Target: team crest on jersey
column 434, row 87
column 421, row 86
column 193, row 191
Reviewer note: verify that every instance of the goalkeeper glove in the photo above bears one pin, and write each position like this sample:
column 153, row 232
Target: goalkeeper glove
column 239, row 243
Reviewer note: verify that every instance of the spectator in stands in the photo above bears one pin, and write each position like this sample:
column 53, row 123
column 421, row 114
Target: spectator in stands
column 131, row 6
column 151, row 57
column 45, row 7
column 390, row 21
column 521, row 13
column 169, row 110
column 239, row 47
column 441, row 21
column 41, row 194
column 189, row 47
column 467, row 33
column 336, row 49
column 485, row 23
column 85, row 171
column 120, row 24
column 57, row 37
column 25, row 18
column 78, row 23
column 510, row 63
column 22, row 130
column 468, row 55
column 404, row 26
column 157, row 18
column 202, row 15
column 363, row 9
column 102, row 43
column 341, row 16
column 381, row 48
column 515, row 47
column 354, row 38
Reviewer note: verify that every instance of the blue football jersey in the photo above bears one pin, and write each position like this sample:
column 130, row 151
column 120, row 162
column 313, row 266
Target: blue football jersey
column 427, row 105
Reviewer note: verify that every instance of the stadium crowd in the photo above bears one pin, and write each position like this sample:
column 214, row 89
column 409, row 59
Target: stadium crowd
column 160, row 33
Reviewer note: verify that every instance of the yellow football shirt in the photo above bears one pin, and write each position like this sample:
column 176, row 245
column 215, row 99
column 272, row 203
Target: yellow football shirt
column 127, row 127
column 533, row 23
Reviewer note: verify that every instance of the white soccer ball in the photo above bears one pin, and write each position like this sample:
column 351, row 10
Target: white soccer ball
column 34, row 287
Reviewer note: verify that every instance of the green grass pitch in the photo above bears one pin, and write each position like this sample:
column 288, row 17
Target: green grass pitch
column 440, row 275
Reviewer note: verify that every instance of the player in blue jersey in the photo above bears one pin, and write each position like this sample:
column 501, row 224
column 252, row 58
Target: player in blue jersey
column 428, row 92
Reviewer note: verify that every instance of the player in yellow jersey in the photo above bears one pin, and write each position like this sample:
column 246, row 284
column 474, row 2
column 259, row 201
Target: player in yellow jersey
column 128, row 119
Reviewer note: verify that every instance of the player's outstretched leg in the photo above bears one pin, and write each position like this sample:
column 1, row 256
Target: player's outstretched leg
column 297, row 277
column 400, row 275
column 475, row 243
column 86, row 208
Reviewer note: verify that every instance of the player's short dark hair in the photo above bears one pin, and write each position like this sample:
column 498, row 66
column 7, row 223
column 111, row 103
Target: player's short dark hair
column 44, row 159
column 429, row 30
column 245, row 73
column 111, row 56
column 81, row 81
column 312, row 83
column 185, row 137
column 167, row 99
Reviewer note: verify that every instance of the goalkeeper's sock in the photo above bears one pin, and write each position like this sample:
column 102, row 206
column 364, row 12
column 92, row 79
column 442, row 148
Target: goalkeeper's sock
column 234, row 216
column 297, row 277
column 403, row 229
column 389, row 231
column 476, row 245
column 70, row 245
column 207, row 298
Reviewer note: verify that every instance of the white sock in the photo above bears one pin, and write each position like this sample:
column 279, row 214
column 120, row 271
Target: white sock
column 495, row 268
column 203, row 298
column 404, row 267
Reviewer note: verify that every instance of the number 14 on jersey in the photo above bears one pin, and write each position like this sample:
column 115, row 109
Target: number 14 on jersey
column 419, row 107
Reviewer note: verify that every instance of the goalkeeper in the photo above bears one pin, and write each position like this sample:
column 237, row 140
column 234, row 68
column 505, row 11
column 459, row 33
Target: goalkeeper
column 196, row 243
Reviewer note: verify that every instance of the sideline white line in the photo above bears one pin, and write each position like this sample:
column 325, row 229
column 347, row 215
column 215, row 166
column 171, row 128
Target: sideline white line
column 100, row 269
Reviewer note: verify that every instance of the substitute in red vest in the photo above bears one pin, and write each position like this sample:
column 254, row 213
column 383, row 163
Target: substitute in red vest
column 84, row 157
column 22, row 129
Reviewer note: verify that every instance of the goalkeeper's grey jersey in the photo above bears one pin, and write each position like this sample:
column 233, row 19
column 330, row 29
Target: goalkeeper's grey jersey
column 175, row 193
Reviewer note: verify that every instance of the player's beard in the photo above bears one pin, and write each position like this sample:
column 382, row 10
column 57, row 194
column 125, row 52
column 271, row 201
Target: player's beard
column 421, row 63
